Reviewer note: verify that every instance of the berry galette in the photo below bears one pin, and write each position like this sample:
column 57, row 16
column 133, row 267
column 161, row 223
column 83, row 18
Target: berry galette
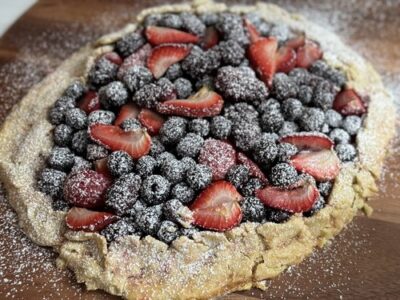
column 202, row 150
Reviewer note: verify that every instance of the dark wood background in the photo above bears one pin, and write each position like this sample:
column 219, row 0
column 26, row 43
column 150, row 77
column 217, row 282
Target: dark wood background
column 362, row 262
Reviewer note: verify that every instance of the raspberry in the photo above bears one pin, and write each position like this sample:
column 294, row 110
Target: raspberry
column 220, row 127
column 101, row 117
column 252, row 209
column 113, row 95
column 76, row 118
column 283, row 174
column 129, row 44
column 190, row 145
column 199, row 177
column 61, row 159
column 200, row 127
column 119, row 163
column 62, row 135
column 51, row 182
column 183, row 88
column 137, row 77
column 155, row 189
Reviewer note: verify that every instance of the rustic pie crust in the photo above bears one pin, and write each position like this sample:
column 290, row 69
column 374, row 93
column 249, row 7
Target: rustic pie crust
column 211, row 263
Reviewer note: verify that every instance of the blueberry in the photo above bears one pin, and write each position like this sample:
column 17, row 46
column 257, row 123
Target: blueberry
column 173, row 171
column 346, row 152
column 62, row 135
column 238, row 175
column 183, row 88
column 188, row 163
column 61, row 159
column 102, row 72
column 171, row 21
column 199, row 177
column 75, row 90
column 137, row 77
column 190, row 145
column 209, row 19
column 173, row 130
column 95, row 152
column 339, row 136
column 76, row 118
column 122, row 227
column 145, row 166
column 119, row 163
column 252, row 209
column 152, row 20
column 101, row 117
column 312, row 119
column 241, row 113
column 81, row 163
column 61, row 106
column 200, row 127
column 182, row 192
column 280, row 31
column 168, row 232
column 149, row 220
column 51, row 182
column 323, row 96
column 268, row 105
column 129, row 43
column 351, row 124
column 300, row 76
column 220, row 127
column 163, row 158
column 322, row 69
column 333, row 118
column 155, row 189
column 283, row 174
column 136, row 209
column 249, row 188
column 305, row 94
column 113, row 95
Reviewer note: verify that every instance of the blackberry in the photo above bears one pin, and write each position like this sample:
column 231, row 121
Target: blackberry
column 272, row 121
column 318, row 205
column 305, row 94
column 220, row 127
column 75, row 90
column 76, row 118
column 148, row 96
column 174, row 72
column 101, row 117
column 277, row 216
column 234, row 85
column 113, row 95
column 171, row 21
column 136, row 209
column 265, row 150
column 300, row 76
column 163, row 158
column 339, row 136
column 168, row 232
column 122, row 227
column 238, row 175
column 207, row 81
column 333, row 118
column 245, row 136
column 173, row 171
column 62, row 135
column 325, row 188
column 312, row 119
column 241, row 113
column 130, row 124
column 250, row 187
column 192, row 23
column 231, row 52
column 152, row 20
column 183, row 88
column 283, row 174
column 284, row 87
column 61, row 158
column 188, row 163
column 155, row 189
column 80, row 163
column 137, row 77
column 168, row 91
column 280, row 31
column 129, row 43
column 252, row 209
column 190, row 145
column 323, row 96
column 182, row 192
column 145, row 165
column 231, row 27
column 61, row 106
column 119, row 163
column 156, row 147
column 95, row 152
column 123, row 193
column 173, row 130
column 102, row 72
column 149, row 220
column 209, row 19
column 292, row 109
column 346, row 152
column 189, row 232
column 286, row 151
column 199, row 63
column 199, row 177
column 322, row 69
column 200, row 127
column 288, row 128
column 51, row 182
column 59, row 205
column 247, row 71
column 268, row 105
column 351, row 124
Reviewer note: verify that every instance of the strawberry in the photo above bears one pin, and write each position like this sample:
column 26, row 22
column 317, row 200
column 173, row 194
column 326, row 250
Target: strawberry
column 219, row 156
column 323, row 165
column 211, row 38
column 308, row 54
column 101, row 167
column 162, row 35
column 217, row 207
column 296, row 42
column 205, row 103
column 86, row 188
column 90, row 102
column 262, row 55
column 113, row 57
column 252, row 30
column 162, row 57
column 308, row 140
column 347, row 102
column 135, row 142
column 87, row 220
column 286, row 59
column 255, row 171
column 138, row 58
column 298, row 198
column 151, row 120
column 127, row 111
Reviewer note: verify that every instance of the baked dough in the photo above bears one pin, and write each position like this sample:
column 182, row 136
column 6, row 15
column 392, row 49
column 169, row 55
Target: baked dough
column 212, row 263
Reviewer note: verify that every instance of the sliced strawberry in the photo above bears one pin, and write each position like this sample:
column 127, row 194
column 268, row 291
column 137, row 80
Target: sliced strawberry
column 347, row 102
column 162, row 57
column 217, row 207
column 86, row 188
column 262, row 55
column 286, row 59
column 114, row 58
column 219, row 156
column 87, row 220
column 308, row 54
column 298, row 198
column 296, row 42
column 252, row 30
column 151, row 120
column 101, row 167
column 211, row 38
column 127, row 111
column 138, row 58
column 205, row 103
column 163, row 35
column 323, row 165
column 135, row 142
column 255, row 171
column 308, row 140
column 90, row 102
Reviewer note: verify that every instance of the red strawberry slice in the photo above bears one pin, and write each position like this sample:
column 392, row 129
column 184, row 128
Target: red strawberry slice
column 87, row 220
column 101, row 167
column 135, row 142
column 127, row 111
column 162, row 57
column 255, row 171
column 296, row 42
column 138, row 58
column 308, row 54
column 298, row 198
column 114, row 58
column 252, row 30
column 90, row 102
column 323, row 165
column 286, row 59
column 219, row 156
column 308, row 140
column 211, row 38
column 262, row 55
column 217, row 207
column 86, row 188
column 347, row 102
column 162, row 35
column 151, row 120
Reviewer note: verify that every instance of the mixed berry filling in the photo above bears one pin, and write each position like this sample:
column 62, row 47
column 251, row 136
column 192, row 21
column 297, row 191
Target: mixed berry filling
column 200, row 122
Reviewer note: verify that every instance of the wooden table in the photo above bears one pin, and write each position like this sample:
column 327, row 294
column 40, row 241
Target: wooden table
column 363, row 262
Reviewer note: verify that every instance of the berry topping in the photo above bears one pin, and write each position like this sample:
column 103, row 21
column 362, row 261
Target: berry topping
column 173, row 170
column 145, row 165
column 76, row 118
column 80, row 140
column 95, row 152
column 174, row 210
column 151, row 120
column 131, row 124
column 351, row 124
column 308, row 54
column 102, row 72
column 250, row 187
column 254, row 170
column 149, row 220
column 161, row 35
column 182, row 192
column 346, row 152
column 308, row 140
column 148, row 96
column 90, row 102
column 200, row 63
column 87, row 220
column 127, row 111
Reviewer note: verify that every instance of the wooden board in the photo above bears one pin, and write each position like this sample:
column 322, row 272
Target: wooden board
column 361, row 263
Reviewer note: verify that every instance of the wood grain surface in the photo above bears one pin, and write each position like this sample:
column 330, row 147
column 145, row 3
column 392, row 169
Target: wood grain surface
column 361, row 263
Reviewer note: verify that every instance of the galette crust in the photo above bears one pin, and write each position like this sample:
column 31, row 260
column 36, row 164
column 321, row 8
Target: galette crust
column 212, row 263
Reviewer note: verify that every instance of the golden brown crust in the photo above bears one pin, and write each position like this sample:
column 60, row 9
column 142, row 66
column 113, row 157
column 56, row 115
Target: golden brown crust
column 212, row 263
